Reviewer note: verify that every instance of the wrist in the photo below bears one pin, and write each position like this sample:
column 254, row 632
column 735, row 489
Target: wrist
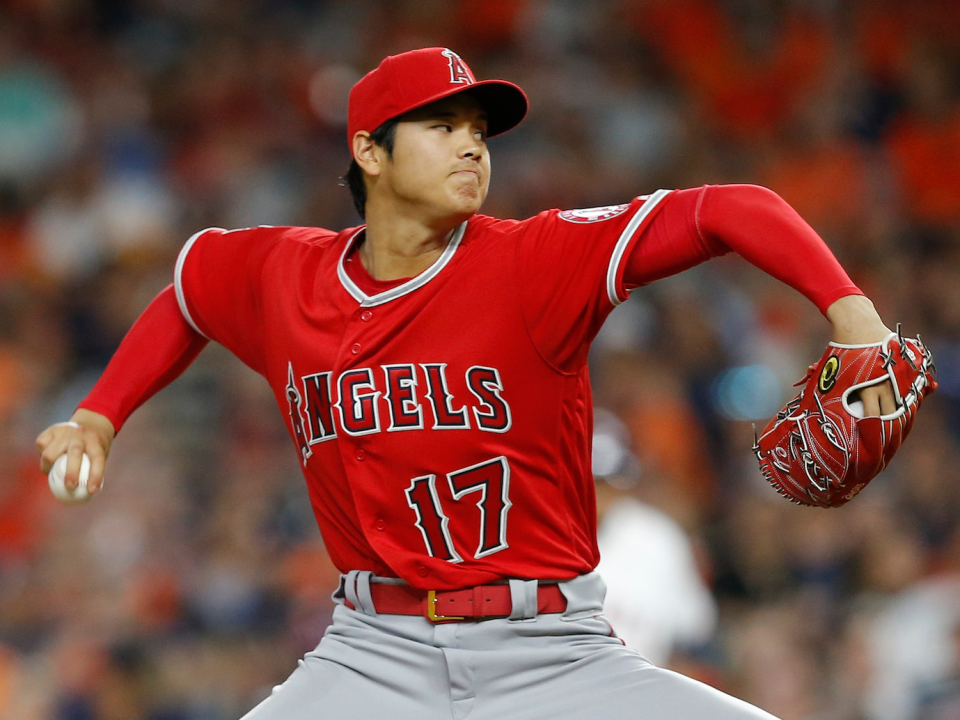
column 855, row 321
column 96, row 423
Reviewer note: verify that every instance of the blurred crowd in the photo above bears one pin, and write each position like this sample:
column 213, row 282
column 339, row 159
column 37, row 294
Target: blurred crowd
column 193, row 584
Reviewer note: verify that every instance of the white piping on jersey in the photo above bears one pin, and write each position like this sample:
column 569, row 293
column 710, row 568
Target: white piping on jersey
column 407, row 287
column 178, row 283
column 621, row 247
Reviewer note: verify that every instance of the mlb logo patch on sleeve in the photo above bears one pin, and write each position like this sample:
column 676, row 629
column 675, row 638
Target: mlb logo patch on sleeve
column 592, row 215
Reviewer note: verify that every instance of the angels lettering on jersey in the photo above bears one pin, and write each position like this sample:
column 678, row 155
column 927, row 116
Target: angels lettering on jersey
column 392, row 398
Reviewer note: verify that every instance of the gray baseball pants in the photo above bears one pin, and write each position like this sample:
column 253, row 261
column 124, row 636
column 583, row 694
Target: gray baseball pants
column 552, row 666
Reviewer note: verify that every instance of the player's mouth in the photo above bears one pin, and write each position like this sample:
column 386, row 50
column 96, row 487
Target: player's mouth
column 467, row 172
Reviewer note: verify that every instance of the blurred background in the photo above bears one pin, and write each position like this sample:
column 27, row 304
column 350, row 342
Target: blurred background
column 198, row 578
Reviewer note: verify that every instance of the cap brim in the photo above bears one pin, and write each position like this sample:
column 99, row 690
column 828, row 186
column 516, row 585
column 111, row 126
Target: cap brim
column 506, row 104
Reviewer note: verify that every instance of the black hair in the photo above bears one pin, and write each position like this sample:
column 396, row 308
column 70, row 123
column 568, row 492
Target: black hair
column 385, row 136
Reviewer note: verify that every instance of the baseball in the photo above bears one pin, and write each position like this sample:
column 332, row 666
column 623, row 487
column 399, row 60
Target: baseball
column 856, row 408
column 60, row 491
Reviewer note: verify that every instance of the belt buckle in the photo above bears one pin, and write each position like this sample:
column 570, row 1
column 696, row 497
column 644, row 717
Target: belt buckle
column 432, row 615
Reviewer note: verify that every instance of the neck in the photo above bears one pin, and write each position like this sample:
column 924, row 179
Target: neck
column 397, row 246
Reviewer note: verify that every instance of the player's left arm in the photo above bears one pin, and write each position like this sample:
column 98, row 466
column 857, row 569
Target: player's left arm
column 754, row 222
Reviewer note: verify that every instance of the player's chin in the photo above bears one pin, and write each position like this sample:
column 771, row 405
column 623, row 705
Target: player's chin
column 467, row 199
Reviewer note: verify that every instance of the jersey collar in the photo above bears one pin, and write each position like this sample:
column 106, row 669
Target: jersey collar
column 407, row 287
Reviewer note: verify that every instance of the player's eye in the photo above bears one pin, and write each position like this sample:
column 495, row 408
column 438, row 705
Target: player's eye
column 444, row 126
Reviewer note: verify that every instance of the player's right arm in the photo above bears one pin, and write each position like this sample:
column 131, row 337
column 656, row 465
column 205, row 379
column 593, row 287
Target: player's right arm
column 215, row 296
column 156, row 350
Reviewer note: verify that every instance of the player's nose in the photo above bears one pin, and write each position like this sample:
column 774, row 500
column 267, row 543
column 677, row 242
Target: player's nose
column 472, row 152
column 469, row 146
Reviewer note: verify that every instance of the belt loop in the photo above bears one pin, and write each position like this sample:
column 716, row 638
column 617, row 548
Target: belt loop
column 357, row 590
column 339, row 594
column 523, row 599
column 350, row 589
column 364, row 595
column 584, row 594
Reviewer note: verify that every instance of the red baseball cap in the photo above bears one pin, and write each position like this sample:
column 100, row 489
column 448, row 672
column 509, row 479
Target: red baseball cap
column 413, row 79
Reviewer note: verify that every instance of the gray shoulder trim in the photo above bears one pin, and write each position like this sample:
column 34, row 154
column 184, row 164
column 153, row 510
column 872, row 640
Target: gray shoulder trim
column 178, row 282
column 621, row 247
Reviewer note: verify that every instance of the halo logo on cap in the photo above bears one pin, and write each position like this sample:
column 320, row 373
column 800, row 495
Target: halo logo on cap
column 459, row 72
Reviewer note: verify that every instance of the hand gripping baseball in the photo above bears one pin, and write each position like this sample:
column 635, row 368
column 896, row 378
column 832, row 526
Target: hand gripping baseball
column 820, row 449
column 86, row 433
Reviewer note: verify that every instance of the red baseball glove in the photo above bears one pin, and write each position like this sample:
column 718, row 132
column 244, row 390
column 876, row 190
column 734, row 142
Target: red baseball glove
column 820, row 450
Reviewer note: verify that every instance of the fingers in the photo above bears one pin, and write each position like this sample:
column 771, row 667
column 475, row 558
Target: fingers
column 888, row 402
column 98, row 460
column 72, row 439
column 52, row 443
column 71, row 478
column 44, row 439
column 878, row 400
column 871, row 402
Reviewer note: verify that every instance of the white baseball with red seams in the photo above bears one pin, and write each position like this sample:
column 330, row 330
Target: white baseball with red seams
column 57, row 478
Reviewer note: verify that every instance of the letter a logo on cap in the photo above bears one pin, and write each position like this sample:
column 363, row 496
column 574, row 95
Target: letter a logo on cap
column 459, row 72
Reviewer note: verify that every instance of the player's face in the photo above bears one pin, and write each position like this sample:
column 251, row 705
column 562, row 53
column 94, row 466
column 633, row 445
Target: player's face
column 440, row 164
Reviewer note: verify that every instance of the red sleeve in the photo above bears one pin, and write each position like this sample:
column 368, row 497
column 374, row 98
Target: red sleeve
column 158, row 347
column 571, row 273
column 754, row 222
column 218, row 279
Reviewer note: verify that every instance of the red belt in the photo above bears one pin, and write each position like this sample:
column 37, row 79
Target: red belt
column 442, row 606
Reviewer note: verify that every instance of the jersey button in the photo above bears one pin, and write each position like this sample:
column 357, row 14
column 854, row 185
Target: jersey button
column 381, row 525
column 355, row 348
column 361, row 455
column 422, row 571
column 366, row 315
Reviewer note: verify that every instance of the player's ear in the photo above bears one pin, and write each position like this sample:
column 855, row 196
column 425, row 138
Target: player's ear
column 365, row 153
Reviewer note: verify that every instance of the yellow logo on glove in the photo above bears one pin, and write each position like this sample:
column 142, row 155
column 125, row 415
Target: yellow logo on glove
column 828, row 376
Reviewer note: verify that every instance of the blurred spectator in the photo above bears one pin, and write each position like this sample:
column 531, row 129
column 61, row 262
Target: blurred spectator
column 656, row 599
column 40, row 120
column 941, row 700
column 925, row 141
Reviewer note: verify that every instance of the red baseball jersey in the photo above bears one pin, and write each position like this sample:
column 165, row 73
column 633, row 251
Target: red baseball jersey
column 444, row 424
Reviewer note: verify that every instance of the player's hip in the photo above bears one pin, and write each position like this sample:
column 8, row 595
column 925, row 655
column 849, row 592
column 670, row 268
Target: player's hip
column 480, row 617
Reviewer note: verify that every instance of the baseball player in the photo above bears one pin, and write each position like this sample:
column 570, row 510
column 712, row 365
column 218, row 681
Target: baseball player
column 431, row 367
